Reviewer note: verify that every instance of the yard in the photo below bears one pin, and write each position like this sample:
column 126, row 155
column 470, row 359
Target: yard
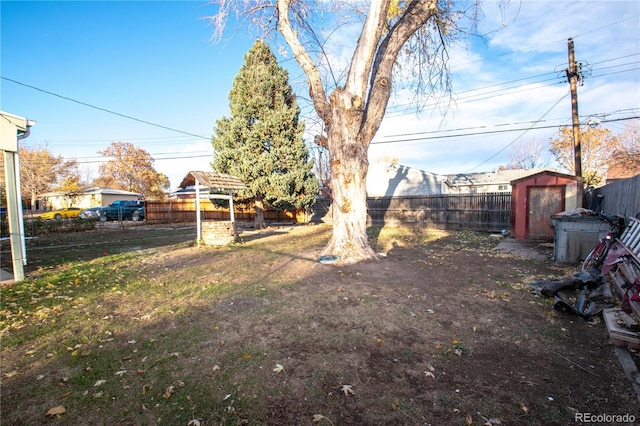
column 140, row 327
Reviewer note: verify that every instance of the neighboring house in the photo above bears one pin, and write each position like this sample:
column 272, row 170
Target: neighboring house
column 188, row 193
column 498, row 181
column 86, row 198
column 394, row 180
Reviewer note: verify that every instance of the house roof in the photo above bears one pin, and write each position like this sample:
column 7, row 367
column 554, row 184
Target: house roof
column 497, row 177
column 94, row 190
column 212, row 180
column 107, row 191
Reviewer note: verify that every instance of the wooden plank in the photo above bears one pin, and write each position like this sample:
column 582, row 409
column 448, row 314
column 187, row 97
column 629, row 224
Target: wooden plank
column 619, row 335
column 628, row 321
column 627, row 272
column 618, row 283
column 628, row 366
column 635, row 306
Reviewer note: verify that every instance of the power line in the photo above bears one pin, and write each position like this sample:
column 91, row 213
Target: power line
column 488, row 132
column 521, row 135
column 103, row 109
column 467, row 99
column 401, row 108
column 182, row 157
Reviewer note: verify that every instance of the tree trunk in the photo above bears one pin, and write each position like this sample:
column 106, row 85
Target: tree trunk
column 349, row 165
column 258, row 222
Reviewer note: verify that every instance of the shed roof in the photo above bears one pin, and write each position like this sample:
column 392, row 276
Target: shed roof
column 548, row 173
column 213, row 181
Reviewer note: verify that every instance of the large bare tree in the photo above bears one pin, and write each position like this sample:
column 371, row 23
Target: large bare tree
column 412, row 32
column 41, row 171
column 530, row 154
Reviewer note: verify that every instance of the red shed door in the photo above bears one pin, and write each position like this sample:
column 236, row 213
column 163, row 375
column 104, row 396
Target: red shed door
column 543, row 202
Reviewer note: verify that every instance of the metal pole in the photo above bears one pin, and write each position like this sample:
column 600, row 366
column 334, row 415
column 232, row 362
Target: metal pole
column 231, row 214
column 198, row 230
column 14, row 211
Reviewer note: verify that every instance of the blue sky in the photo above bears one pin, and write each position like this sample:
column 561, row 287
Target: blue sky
column 156, row 62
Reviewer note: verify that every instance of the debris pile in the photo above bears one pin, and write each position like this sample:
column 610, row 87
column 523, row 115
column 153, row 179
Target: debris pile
column 585, row 294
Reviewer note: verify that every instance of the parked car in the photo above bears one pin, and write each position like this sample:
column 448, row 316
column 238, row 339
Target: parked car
column 66, row 213
column 93, row 213
column 125, row 210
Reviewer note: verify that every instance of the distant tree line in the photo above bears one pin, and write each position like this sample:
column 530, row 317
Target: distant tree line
column 601, row 150
column 128, row 168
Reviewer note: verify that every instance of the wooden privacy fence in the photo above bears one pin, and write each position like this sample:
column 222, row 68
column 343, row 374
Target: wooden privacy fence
column 176, row 211
column 621, row 197
column 482, row 212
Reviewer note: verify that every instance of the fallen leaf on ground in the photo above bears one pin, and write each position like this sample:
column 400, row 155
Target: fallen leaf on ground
column 347, row 389
column 99, row 383
column 490, row 422
column 170, row 390
column 319, row 417
column 56, row 411
column 279, row 368
column 469, row 420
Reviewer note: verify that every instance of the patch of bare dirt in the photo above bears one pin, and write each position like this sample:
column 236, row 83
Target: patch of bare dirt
column 436, row 333
column 443, row 333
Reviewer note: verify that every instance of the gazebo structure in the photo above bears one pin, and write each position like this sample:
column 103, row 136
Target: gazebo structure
column 208, row 185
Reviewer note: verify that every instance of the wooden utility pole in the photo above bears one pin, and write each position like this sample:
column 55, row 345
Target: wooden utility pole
column 573, row 75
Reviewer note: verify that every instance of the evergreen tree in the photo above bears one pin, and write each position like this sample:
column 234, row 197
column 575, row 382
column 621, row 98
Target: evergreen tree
column 261, row 143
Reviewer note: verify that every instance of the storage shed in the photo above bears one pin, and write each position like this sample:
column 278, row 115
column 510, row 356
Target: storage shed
column 535, row 198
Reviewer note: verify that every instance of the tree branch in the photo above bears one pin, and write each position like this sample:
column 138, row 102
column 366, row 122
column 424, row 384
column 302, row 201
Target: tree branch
column 316, row 90
column 363, row 55
column 416, row 15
